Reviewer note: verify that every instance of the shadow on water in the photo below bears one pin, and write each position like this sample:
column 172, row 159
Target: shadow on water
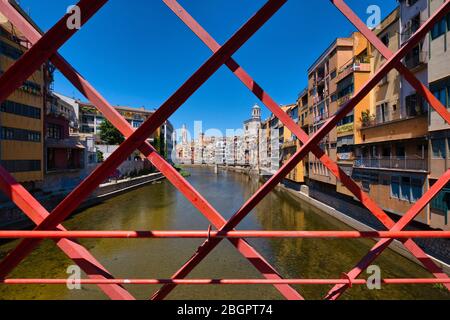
column 161, row 207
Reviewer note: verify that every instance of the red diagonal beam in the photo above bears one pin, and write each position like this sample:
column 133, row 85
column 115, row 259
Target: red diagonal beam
column 71, row 202
column 291, row 125
column 125, row 128
column 376, row 251
column 26, row 65
column 300, row 154
column 386, row 53
column 77, row 253
column 274, row 107
column 9, row 82
column 421, row 88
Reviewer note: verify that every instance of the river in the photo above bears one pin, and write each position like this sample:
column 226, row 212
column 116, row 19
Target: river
column 161, row 207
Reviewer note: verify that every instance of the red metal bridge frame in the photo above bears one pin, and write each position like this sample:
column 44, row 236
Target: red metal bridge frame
column 114, row 117
column 222, row 55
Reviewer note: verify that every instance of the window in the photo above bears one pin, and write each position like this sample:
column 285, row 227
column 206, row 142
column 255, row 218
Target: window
column 415, row 24
column 405, row 189
column 448, row 96
column 441, row 203
column 55, row 131
column 386, row 152
column 410, row 3
column 414, row 58
column 383, row 114
column 448, row 22
column 441, row 95
column 400, row 151
column 438, row 146
column 20, row 109
column 365, row 185
column 438, row 29
column 333, row 75
column 20, row 135
column 395, row 187
column 385, row 39
column 16, row 166
column 10, row 51
column 416, row 189
column 415, row 105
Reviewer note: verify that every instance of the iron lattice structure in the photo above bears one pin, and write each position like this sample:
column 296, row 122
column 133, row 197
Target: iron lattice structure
column 48, row 224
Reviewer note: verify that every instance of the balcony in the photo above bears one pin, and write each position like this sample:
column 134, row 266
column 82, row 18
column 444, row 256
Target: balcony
column 345, row 156
column 393, row 163
column 318, row 99
column 346, row 128
column 320, row 118
column 344, row 99
column 289, row 144
column 416, row 60
column 358, row 66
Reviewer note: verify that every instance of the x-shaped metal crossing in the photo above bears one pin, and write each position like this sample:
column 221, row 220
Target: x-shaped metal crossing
column 45, row 48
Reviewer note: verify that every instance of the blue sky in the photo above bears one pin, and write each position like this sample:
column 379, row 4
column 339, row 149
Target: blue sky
column 137, row 52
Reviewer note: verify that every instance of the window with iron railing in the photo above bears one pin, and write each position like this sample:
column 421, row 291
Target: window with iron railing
column 411, row 27
column 415, row 105
column 416, row 58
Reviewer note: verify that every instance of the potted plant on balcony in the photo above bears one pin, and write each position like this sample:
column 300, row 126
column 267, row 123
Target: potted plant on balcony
column 366, row 118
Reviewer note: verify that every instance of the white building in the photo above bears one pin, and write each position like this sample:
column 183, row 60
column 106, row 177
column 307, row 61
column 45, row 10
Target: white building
column 250, row 141
column 230, row 150
column 220, row 151
column 275, row 146
column 413, row 13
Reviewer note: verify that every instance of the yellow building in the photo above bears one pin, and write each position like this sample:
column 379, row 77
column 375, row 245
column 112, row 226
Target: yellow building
column 332, row 80
column 350, row 79
column 391, row 150
column 21, row 118
column 290, row 145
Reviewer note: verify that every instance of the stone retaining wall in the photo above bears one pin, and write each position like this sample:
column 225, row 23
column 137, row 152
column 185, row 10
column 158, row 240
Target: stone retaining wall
column 13, row 218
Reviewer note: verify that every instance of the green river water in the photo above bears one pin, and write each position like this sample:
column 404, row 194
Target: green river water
column 161, row 207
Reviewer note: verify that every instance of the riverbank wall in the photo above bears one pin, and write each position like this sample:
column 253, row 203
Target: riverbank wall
column 12, row 217
column 359, row 218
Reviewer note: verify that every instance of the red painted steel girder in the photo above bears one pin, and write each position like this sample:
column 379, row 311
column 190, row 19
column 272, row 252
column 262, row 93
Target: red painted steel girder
column 26, row 65
column 18, row 234
column 14, row 77
column 309, row 145
column 263, row 15
column 274, row 107
column 338, row 290
column 77, row 253
column 386, row 53
column 383, row 244
column 342, row 281
column 171, row 174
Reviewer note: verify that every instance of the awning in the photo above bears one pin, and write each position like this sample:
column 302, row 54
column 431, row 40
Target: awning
column 64, row 144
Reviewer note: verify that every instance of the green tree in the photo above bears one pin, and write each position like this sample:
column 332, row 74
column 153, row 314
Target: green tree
column 100, row 157
column 109, row 134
